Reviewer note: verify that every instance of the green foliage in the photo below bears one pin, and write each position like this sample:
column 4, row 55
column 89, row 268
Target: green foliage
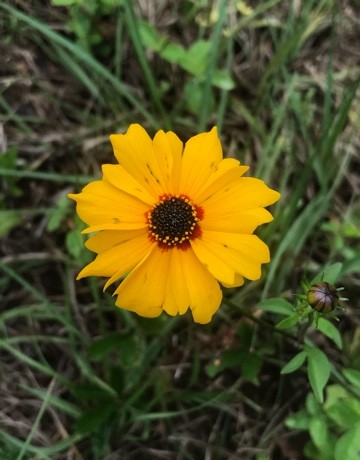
column 318, row 368
column 333, row 427
column 8, row 161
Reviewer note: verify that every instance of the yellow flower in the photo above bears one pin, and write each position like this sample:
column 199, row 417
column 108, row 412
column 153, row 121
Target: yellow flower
column 174, row 221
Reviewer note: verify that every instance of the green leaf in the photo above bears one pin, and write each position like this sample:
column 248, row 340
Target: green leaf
column 288, row 323
column 250, row 366
column 319, row 369
column 192, row 92
column 294, row 364
column 93, row 418
column 348, row 446
column 195, row 59
column 328, row 329
column 319, row 433
column 312, row 405
column 64, row 2
column 298, row 421
column 150, row 37
column 342, row 407
column 329, row 274
column 353, row 376
column 59, row 214
column 223, row 80
column 173, row 52
column 8, row 220
column 75, row 243
column 276, row 305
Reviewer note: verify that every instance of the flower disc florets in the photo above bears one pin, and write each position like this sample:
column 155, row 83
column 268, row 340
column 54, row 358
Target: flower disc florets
column 173, row 221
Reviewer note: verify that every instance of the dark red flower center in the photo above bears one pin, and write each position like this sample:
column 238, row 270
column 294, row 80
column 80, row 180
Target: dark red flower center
column 173, row 221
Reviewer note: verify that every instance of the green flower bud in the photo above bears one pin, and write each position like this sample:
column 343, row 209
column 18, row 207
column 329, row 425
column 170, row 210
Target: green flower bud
column 323, row 297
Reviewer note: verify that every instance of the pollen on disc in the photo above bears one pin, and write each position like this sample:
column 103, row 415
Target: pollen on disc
column 173, row 221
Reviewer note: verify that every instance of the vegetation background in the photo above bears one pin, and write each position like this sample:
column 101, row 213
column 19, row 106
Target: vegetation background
column 81, row 379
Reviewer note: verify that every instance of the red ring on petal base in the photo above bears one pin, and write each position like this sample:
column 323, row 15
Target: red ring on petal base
column 174, row 221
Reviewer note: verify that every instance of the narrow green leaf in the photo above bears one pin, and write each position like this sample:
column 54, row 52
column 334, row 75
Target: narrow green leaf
column 319, row 369
column 294, row 364
column 319, row 433
column 288, row 323
column 83, row 57
column 64, row 2
column 329, row 274
column 134, row 32
column 276, row 305
column 353, row 376
column 328, row 329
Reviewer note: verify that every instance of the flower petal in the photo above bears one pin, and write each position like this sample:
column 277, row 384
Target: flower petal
column 168, row 150
column 143, row 290
column 225, row 173
column 237, row 222
column 134, row 151
column 238, row 281
column 177, row 298
column 244, row 254
column 100, row 203
column 117, row 176
column 242, row 195
column 118, row 259
column 217, row 266
column 204, row 291
column 105, row 240
column 202, row 154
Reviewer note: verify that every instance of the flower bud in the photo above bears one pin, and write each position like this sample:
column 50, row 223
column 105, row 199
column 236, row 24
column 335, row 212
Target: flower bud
column 323, row 297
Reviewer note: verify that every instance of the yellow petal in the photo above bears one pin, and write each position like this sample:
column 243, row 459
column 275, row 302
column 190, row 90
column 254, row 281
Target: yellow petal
column 218, row 267
column 143, row 290
column 238, row 281
column 225, row 173
column 105, row 240
column 100, row 203
column 237, row 222
column 134, row 151
column 202, row 154
column 242, row 195
column 204, row 291
column 168, row 150
column 117, row 176
column 118, row 226
column 243, row 253
column 177, row 299
column 119, row 259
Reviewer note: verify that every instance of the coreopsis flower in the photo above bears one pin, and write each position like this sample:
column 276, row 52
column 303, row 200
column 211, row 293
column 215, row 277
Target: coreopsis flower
column 172, row 222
